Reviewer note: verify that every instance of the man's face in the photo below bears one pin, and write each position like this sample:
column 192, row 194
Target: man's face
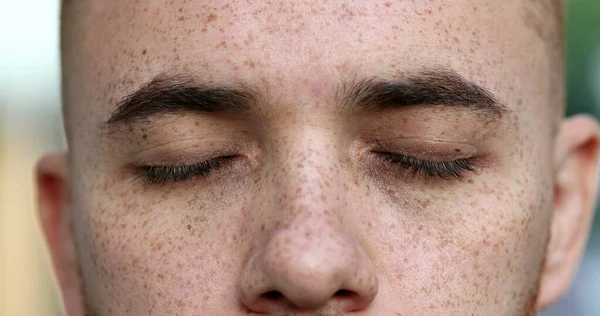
column 387, row 158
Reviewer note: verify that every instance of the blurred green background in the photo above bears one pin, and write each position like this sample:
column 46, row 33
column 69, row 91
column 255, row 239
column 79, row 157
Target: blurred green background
column 30, row 124
column 583, row 95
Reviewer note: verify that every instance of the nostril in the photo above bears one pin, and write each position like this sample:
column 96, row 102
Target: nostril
column 272, row 296
column 344, row 293
column 350, row 301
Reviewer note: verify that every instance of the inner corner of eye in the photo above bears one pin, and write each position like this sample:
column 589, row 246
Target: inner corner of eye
column 133, row 167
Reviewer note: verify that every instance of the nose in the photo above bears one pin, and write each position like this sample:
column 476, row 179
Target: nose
column 310, row 261
column 309, row 257
column 301, row 269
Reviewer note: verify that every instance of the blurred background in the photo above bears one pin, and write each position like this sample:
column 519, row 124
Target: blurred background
column 30, row 124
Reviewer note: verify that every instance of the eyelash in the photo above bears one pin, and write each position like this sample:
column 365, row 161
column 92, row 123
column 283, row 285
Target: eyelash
column 446, row 169
column 166, row 174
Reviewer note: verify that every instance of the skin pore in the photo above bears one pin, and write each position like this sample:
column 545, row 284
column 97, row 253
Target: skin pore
column 326, row 158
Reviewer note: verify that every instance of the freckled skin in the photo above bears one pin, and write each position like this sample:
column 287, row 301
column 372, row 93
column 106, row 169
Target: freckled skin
column 306, row 223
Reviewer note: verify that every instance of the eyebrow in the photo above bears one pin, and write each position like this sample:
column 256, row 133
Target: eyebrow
column 175, row 94
column 430, row 87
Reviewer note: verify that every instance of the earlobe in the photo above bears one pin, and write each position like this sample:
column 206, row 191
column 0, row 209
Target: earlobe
column 55, row 218
column 576, row 155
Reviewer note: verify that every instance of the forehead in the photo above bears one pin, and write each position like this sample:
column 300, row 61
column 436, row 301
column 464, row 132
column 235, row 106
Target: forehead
column 302, row 49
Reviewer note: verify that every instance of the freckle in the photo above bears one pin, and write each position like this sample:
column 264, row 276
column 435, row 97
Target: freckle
column 211, row 17
column 144, row 52
column 250, row 63
column 145, row 136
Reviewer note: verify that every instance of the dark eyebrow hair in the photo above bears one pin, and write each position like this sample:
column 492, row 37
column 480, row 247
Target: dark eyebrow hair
column 429, row 87
column 179, row 93
column 171, row 94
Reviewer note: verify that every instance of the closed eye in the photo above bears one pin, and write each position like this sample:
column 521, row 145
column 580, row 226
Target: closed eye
column 454, row 169
column 167, row 174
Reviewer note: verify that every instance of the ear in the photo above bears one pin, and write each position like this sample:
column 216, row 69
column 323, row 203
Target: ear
column 55, row 216
column 576, row 161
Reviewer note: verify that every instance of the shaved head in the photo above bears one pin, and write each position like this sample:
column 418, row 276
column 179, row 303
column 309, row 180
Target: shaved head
column 544, row 17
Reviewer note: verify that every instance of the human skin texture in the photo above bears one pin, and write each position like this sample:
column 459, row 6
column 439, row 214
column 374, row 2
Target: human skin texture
column 330, row 200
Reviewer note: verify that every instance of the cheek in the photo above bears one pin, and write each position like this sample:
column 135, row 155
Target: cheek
column 158, row 259
column 481, row 250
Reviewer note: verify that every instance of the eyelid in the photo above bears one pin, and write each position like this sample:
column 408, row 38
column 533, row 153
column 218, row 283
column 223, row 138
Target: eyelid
column 170, row 174
column 185, row 152
column 455, row 169
column 433, row 150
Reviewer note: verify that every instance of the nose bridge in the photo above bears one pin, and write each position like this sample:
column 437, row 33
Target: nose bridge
column 311, row 174
column 310, row 200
